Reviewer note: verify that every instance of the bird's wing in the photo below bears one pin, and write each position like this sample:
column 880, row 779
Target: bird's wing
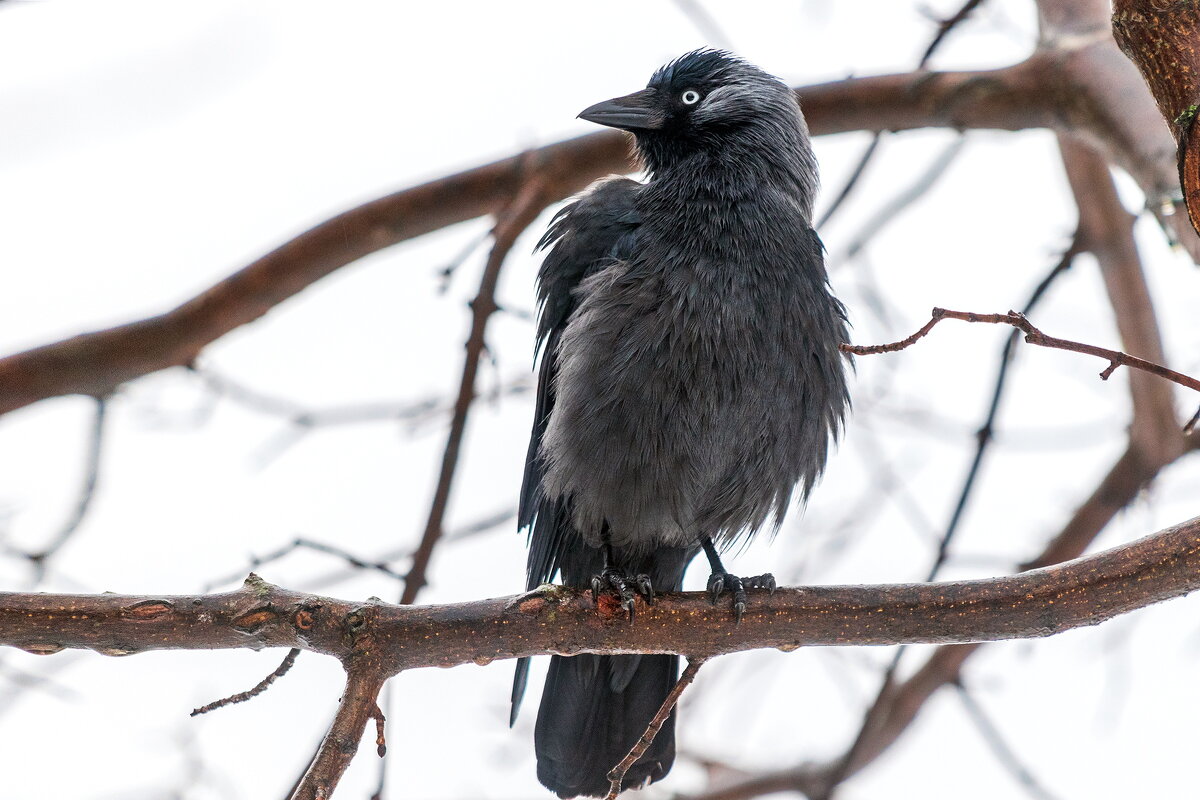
column 584, row 237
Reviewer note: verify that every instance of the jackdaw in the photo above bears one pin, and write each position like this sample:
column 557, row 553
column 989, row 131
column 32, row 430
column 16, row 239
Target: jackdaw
column 690, row 383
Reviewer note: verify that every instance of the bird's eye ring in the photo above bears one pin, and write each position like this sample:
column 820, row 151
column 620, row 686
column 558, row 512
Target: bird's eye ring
column 690, row 97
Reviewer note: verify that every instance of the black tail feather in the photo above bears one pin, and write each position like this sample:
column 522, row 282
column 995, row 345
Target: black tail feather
column 594, row 709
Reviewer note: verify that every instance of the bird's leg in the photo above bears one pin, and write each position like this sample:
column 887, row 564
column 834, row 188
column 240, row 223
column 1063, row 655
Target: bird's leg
column 626, row 586
column 722, row 581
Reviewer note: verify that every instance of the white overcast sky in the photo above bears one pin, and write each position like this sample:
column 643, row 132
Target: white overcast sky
column 148, row 149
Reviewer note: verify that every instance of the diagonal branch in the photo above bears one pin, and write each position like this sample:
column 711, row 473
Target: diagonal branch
column 617, row 774
column 1000, row 746
column 96, row 363
column 1089, row 89
column 83, row 502
column 528, row 202
column 341, row 742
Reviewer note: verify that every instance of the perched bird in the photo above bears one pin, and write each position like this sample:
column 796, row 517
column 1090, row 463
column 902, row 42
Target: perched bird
column 690, row 382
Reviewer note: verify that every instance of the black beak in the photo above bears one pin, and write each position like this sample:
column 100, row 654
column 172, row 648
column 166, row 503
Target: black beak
column 632, row 112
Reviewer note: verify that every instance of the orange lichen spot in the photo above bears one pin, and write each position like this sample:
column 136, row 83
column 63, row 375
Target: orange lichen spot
column 303, row 619
column 609, row 605
column 148, row 610
column 255, row 619
column 532, row 605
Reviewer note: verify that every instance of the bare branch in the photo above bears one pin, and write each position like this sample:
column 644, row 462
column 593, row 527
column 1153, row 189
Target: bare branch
column 1033, row 335
column 851, row 182
column 97, row 362
column 1002, row 749
column 300, row 543
column 1089, row 89
column 1160, row 38
column 944, row 29
column 617, row 774
column 529, row 201
column 288, row 661
column 83, row 502
column 984, row 435
column 1107, row 232
column 566, row 621
column 946, row 26
column 905, row 199
column 341, row 742
column 376, row 640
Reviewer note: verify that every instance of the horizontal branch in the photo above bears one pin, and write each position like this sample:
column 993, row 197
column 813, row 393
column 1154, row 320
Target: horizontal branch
column 565, row 621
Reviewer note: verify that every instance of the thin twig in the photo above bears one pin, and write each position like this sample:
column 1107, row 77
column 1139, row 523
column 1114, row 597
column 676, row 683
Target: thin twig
column 306, row 417
column 851, row 182
column 83, row 501
column 380, row 738
column 468, row 530
column 617, row 773
column 529, row 201
column 984, row 435
column 945, row 27
column 446, row 273
column 924, row 182
column 1033, row 335
column 261, row 687
column 308, row 544
column 1000, row 747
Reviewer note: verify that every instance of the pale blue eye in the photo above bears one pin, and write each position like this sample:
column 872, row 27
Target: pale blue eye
column 690, row 97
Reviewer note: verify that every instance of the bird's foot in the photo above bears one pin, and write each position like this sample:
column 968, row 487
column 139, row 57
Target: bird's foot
column 721, row 582
column 626, row 586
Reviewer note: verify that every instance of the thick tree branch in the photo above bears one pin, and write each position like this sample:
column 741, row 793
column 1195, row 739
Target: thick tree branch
column 1039, row 92
column 1106, row 230
column 375, row 640
column 565, row 621
column 1163, row 40
column 96, row 363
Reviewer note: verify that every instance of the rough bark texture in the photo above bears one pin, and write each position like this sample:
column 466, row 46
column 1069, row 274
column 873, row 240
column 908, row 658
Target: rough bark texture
column 384, row 639
column 1162, row 37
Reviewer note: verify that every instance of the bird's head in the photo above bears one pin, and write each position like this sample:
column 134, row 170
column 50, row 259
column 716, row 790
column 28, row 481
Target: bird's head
column 706, row 100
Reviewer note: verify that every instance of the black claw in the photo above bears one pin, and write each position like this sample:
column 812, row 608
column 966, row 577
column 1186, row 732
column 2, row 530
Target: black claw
column 766, row 581
column 721, row 582
column 645, row 588
column 626, row 587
